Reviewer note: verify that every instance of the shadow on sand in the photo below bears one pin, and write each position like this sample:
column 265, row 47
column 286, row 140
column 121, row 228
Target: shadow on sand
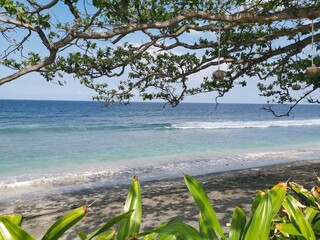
column 162, row 200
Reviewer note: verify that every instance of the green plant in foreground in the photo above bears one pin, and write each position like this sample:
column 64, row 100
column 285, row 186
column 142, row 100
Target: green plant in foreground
column 274, row 214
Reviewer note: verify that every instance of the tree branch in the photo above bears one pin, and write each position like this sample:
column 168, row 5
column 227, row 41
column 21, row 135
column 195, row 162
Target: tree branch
column 18, row 23
column 274, row 113
column 33, row 68
column 187, row 15
column 42, row 7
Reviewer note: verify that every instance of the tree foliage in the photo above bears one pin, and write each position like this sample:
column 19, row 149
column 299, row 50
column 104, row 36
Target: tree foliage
column 157, row 48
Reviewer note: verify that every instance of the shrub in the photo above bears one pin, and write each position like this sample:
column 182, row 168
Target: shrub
column 274, row 214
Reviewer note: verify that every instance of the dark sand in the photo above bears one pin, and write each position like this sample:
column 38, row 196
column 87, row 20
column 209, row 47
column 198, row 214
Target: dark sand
column 161, row 200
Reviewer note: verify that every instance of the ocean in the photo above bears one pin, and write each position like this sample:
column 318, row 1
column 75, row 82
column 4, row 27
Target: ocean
column 51, row 147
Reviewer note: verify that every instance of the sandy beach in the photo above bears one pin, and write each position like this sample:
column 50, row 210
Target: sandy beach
column 161, row 200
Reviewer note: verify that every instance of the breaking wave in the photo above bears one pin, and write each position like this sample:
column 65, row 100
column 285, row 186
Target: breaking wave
column 245, row 124
column 121, row 175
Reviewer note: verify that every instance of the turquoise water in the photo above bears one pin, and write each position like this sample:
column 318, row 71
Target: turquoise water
column 72, row 145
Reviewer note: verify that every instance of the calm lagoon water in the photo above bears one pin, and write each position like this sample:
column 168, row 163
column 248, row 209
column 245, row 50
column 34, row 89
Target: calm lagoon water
column 63, row 145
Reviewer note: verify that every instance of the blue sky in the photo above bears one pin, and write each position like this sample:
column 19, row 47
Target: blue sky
column 34, row 86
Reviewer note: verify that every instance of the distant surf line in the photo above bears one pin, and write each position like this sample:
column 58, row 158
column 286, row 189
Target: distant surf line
column 245, row 124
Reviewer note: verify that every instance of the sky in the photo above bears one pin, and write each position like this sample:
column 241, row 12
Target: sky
column 33, row 86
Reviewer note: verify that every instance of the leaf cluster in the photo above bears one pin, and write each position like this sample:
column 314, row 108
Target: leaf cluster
column 274, row 214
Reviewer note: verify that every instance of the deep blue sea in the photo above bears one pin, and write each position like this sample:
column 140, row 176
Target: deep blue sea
column 65, row 145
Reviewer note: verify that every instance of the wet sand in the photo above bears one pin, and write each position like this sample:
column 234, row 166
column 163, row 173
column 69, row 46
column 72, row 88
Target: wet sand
column 161, row 200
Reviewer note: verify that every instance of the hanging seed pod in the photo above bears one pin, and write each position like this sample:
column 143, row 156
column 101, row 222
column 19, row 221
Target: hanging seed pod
column 313, row 71
column 219, row 74
column 296, row 87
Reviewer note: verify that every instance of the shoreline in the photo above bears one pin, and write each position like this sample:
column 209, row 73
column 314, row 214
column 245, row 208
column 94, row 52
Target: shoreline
column 71, row 182
column 162, row 199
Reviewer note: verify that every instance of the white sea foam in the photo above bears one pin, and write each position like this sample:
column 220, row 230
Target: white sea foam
column 203, row 164
column 245, row 124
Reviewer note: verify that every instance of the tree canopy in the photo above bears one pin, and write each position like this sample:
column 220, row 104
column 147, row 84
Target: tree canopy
column 157, row 48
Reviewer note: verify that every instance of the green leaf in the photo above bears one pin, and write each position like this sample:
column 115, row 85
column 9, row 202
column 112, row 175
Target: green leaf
column 296, row 217
column 166, row 237
column 150, row 236
column 64, row 223
column 310, row 214
column 14, row 218
column 206, row 231
column 158, row 236
column 238, row 223
column 259, row 227
column 316, row 226
column 180, row 230
column 288, row 228
column 278, row 193
column 256, row 201
column 109, row 224
column 131, row 225
column 107, row 235
column 11, row 231
column 306, row 197
column 203, row 203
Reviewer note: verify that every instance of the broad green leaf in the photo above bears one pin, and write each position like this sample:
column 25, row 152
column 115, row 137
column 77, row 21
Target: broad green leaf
column 203, row 203
column 158, row 236
column 180, row 230
column 166, row 237
column 288, row 228
column 278, row 193
column 14, row 218
column 310, row 214
column 256, row 201
column 150, row 236
column 107, row 235
column 316, row 226
column 109, row 224
column 206, row 231
column 260, row 224
column 238, row 223
column 11, row 231
column 64, row 223
column 297, row 218
column 131, row 225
